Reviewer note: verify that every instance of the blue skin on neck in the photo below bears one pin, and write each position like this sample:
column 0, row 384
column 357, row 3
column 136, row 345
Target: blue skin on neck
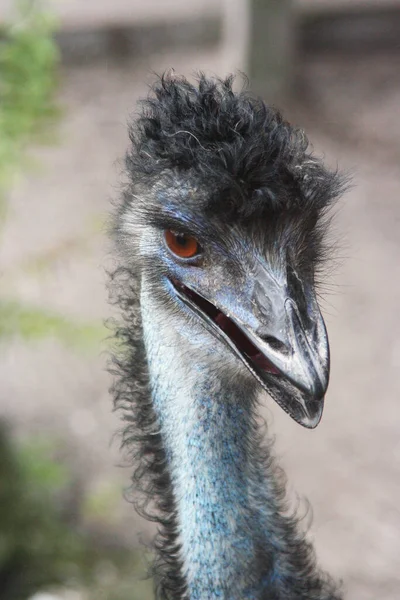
column 207, row 428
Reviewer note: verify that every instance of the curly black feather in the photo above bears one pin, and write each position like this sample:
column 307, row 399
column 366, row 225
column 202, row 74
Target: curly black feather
column 151, row 485
column 257, row 162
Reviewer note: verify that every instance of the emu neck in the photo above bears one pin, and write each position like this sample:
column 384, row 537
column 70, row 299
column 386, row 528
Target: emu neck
column 207, row 427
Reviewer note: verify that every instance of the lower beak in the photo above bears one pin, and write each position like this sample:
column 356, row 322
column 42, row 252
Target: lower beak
column 295, row 342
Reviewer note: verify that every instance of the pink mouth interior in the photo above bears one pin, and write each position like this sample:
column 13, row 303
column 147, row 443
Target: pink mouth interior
column 243, row 343
column 237, row 336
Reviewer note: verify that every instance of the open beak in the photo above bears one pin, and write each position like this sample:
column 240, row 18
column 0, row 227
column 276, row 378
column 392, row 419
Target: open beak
column 299, row 355
column 276, row 328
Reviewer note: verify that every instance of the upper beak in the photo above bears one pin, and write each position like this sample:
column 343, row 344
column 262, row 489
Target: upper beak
column 290, row 332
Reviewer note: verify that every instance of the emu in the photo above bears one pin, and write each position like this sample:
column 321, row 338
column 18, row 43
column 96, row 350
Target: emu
column 221, row 234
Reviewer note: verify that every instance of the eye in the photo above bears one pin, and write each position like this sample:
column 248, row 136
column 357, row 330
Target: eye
column 182, row 244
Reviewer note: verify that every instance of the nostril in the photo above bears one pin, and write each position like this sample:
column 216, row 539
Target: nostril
column 275, row 344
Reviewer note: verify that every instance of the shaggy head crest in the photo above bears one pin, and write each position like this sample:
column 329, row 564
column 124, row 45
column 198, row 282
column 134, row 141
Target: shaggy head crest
column 250, row 159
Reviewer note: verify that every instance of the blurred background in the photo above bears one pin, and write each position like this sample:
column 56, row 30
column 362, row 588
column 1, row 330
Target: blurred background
column 70, row 75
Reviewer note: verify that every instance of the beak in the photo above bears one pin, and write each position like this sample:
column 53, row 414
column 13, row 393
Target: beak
column 290, row 333
column 273, row 323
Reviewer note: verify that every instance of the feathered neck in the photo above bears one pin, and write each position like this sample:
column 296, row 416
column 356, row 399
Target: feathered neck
column 203, row 472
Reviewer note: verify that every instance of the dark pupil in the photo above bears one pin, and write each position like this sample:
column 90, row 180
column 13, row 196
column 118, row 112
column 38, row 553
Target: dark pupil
column 181, row 240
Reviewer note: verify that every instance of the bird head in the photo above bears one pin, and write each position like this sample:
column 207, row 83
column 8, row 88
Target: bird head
column 226, row 212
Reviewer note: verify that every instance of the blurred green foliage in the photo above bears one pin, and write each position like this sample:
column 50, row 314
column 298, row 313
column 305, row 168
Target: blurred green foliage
column 44, row 509
column 34, row 324
column 43, row 542
column 28, row 60
column 35, row 544
column 28, row 77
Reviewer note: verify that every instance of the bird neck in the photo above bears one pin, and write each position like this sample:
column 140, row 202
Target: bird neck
column 223, row 502
column 224, row 529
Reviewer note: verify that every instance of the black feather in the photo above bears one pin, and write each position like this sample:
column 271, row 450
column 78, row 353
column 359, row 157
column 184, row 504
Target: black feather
column 254, row 160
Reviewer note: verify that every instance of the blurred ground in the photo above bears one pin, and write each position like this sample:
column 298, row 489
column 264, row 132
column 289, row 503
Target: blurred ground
column 53, row 256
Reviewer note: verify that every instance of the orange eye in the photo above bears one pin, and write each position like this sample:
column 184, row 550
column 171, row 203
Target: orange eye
column 181, row 244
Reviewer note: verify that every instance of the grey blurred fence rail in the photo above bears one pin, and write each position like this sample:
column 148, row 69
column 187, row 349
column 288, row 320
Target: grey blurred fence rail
column 124, row 27
column 93, row 14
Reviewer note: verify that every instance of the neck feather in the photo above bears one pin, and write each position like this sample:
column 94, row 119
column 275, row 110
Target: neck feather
column 218, row 495
column 207, row 431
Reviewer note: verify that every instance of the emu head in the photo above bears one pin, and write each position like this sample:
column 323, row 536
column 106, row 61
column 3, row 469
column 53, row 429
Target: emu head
column 225, row 215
